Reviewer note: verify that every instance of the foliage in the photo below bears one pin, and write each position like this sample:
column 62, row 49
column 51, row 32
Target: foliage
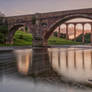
column 55, row 34
column 79, row 38
column 4, row 29
column 61, row 41
column 22, row 39
column 61, row 35
column 1, row 38
column 86, row 38
column 26, row 29
column 3, row 33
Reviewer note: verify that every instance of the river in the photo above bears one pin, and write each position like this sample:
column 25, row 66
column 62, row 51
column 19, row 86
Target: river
column 46, row 70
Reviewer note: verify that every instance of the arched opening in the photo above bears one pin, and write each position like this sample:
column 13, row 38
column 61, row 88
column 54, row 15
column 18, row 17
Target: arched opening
column 70, row 33
column 86, row 35
column 11, row 33
column 62, row 21
column 19, row 35
column 73, row 25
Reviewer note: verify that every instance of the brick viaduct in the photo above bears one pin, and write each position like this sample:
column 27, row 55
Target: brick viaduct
column 43, row 24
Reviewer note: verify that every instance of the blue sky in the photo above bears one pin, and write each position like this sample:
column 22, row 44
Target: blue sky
column 22, row 7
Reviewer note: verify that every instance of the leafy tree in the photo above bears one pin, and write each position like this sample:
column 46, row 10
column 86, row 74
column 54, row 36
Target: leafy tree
column 2, row 38
column 55, row 34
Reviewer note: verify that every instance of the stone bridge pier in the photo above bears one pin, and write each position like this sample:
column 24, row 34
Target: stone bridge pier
column 37, row 27
column 38, row 31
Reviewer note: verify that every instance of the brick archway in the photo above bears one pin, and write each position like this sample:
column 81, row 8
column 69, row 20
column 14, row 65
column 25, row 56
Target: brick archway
column 11, row 33
column 61, row 21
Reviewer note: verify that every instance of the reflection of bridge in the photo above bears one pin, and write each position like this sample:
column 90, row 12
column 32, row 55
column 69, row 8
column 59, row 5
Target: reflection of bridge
column 67, row 62
column 74, row 57
column 76, row 64
column 33, row 61
column 43, row 24
column 75, row 31
column 25, row 62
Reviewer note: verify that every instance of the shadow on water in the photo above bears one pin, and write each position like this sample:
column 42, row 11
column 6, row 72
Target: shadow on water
column 55, row 66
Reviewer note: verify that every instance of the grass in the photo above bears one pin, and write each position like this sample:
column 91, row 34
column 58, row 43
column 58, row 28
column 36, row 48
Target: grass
column 61, row 41
column 22, row 38
column 25, row 39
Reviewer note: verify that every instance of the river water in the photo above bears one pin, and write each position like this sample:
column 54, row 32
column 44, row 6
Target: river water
column 46, row 70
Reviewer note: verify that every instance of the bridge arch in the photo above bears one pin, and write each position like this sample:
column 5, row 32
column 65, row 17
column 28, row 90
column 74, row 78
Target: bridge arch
column 11, row 33
column 63, row 20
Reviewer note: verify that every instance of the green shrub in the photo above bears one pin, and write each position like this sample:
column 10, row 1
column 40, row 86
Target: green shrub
column 79, row 38
column 86, row 38
column 4, row 29
column 20, row 36
column 2, row 38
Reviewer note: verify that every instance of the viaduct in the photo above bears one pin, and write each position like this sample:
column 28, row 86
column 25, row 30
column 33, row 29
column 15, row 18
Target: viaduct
column 42, row 25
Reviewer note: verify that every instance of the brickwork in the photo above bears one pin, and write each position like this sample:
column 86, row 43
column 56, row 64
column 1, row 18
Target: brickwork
column 45, row 22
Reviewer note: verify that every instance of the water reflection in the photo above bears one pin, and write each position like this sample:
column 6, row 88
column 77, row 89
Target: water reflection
column 7, row 63
column 32, row 61
column 73, row 64
column 40, row 60
column 24, row 60
column 54, row 65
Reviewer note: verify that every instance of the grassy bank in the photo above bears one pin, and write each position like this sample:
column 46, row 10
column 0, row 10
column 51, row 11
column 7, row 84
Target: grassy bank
column 61, row 41
column 22, row 39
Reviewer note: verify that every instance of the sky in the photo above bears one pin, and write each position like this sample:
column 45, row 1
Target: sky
column 23, row 7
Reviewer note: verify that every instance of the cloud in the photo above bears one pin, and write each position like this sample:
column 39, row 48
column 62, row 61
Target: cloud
column 18, row 7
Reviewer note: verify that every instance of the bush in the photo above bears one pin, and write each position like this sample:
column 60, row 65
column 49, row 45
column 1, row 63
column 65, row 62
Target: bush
column 20, row 36
column 79, row 38
column 62, row 35
column 4, row 29
column 86, row 38
column 2, row 38
column 55, row 34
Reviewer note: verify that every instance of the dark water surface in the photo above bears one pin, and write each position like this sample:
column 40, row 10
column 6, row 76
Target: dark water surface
column 46, row 70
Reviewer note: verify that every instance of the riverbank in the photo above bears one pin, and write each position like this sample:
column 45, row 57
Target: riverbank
column 25, row 39
column 11, row 48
